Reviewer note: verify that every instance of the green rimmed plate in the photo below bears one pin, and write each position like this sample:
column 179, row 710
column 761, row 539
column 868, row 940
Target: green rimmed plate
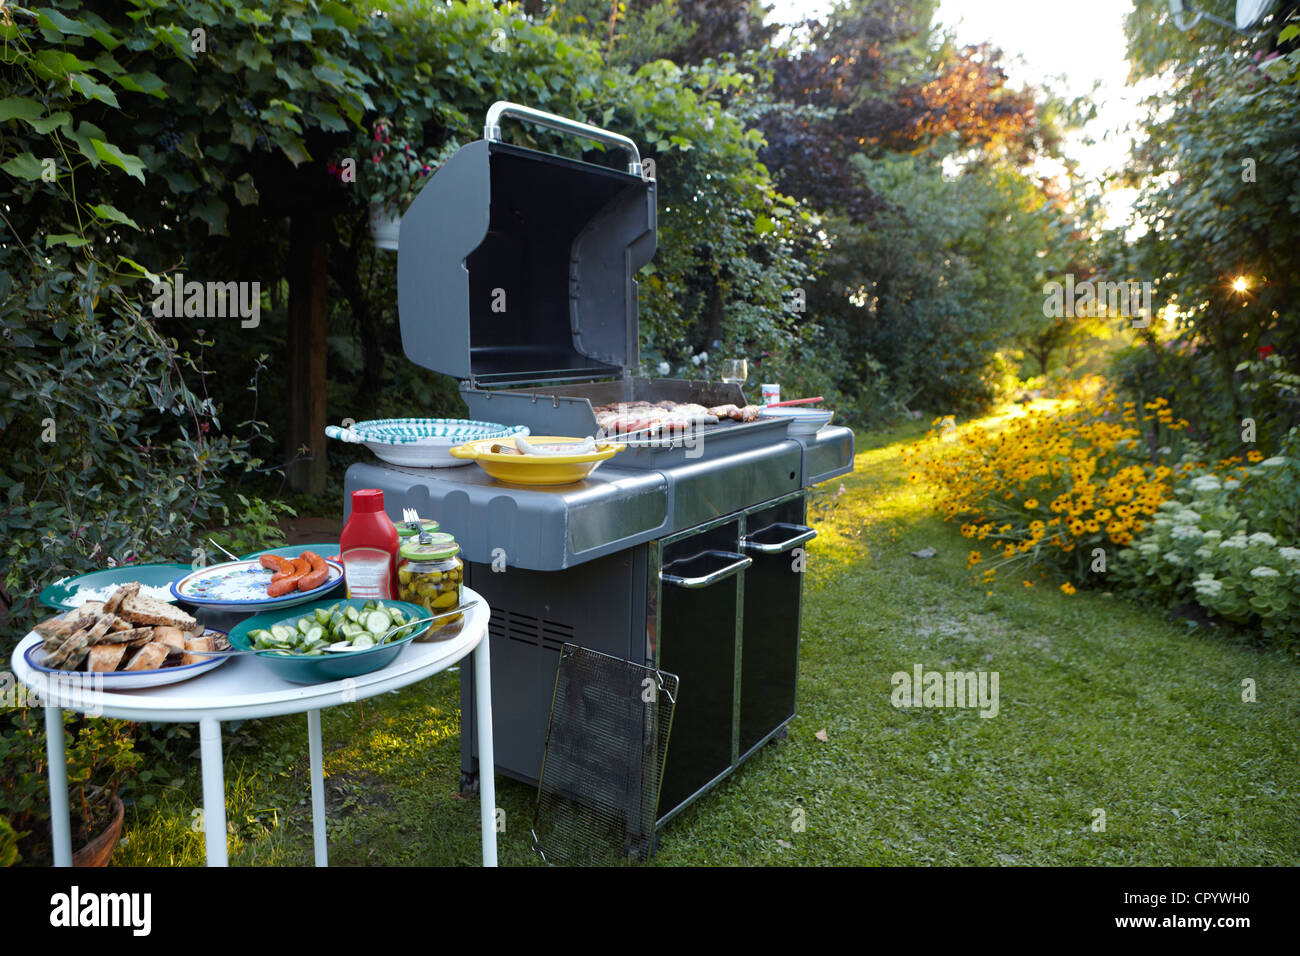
column 301, row 669
column 61, row 595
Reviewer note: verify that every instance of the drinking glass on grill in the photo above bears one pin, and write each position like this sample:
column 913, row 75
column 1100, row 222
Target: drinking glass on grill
column 735, row 371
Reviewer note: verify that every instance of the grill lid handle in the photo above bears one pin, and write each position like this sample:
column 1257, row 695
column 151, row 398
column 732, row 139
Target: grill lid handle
column 801, row 533
column 499, row 109
column 737, row 563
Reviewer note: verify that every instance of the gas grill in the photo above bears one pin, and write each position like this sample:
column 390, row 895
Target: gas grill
column 516, row 275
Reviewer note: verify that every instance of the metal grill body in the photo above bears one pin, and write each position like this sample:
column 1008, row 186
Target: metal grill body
column 680, row 555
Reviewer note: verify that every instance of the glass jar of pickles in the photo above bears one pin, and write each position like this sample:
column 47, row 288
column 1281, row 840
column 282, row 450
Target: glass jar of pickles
column 430, row 574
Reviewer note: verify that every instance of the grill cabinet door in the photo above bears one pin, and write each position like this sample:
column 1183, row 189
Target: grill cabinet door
column 700, row 596
column 769, row 660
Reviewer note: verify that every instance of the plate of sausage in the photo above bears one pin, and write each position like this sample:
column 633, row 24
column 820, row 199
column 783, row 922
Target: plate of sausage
column 264, row 583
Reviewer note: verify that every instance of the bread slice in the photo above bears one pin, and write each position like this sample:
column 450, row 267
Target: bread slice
column 64, row 624
column 131, row 637
column 198, row 644
column 106, row 657
column 121, row 594
column 171, row 636
column 143, row 610
column 149, row 658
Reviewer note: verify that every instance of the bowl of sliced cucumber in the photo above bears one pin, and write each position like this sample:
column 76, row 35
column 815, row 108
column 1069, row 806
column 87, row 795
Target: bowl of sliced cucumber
column 330, row 640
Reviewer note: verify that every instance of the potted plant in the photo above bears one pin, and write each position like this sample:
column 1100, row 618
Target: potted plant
column 100, row 756
column 393, row 174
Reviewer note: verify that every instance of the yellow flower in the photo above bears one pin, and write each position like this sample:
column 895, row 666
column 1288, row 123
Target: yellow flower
column 1029, row 584
column 973, row 559
column 1067, row 588
column 1254, row 456
column 1031, row 503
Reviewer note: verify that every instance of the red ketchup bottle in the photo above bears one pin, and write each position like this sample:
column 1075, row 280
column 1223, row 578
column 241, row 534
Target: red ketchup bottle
column 368, row 548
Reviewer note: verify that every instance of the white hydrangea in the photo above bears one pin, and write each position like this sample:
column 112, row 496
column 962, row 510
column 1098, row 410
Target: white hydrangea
column 664, row 368
column 1187, row 516
column 1213, row 535
column 1233, row 542
column 1186, row 531
column 1263, row 572
column 1273, row 462
column 1173, row 557
column 1203, row 553
column 1206, row 483
column 1148, row 547
column 1230, row 483
column 1291, row 554
column 1262, row 537
column 1208, row 586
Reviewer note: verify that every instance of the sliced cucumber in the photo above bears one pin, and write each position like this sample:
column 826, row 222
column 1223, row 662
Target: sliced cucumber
column 282, row 632
column 377, row 622
column 365, row 640
column 352, row 614
column 322, row 616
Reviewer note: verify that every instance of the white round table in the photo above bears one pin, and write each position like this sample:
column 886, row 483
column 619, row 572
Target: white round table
column 243, row 688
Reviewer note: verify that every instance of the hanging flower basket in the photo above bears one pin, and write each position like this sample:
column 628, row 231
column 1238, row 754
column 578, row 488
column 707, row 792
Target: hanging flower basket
column 384, row 226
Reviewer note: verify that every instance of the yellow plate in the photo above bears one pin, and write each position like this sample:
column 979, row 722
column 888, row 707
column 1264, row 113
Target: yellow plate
column 535, row 469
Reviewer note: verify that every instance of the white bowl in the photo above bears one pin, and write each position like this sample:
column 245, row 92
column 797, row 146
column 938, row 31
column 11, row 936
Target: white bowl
column 421, row 442
column 803, row 421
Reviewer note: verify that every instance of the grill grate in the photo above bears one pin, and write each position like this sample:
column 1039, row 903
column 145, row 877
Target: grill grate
column 598, row 791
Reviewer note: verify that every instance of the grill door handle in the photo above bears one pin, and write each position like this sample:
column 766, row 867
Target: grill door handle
column 499, row 109
column 736, row 564
column 801, row 534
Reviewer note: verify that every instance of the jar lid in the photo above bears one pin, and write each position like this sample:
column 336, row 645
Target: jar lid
column 404, row 530
column 442, row 546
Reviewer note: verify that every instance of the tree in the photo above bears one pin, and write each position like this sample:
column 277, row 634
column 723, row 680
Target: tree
column 1218, row 203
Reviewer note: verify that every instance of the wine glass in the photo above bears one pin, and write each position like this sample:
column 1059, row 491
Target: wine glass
column 735, row 371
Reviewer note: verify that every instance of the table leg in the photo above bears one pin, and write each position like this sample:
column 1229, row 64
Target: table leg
column 317, row 788
column 487, row 791
column 214, row 791
column 60, row 824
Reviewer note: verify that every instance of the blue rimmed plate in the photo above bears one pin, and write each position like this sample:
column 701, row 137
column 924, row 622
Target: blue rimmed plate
column 126, row 680
column 241, row 586
column 421, row 442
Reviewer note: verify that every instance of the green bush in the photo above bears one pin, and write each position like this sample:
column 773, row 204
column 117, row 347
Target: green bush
column 1230, row 543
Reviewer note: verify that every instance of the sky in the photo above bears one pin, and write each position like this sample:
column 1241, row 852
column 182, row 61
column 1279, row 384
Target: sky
column 1066, row 45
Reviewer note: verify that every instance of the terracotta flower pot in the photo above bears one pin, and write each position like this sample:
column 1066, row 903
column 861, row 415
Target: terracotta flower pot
column 98, row 850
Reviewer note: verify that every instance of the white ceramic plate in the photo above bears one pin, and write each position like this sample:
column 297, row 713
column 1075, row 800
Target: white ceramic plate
column 420, row 442
column 124, row 680
column 241, row 586
column 803, row 421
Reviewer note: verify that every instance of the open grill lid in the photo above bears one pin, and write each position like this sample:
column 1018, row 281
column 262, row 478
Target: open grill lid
column 516, row 266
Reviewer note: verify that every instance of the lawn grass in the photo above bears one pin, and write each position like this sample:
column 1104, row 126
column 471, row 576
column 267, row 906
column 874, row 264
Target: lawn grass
column 1104, row 706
